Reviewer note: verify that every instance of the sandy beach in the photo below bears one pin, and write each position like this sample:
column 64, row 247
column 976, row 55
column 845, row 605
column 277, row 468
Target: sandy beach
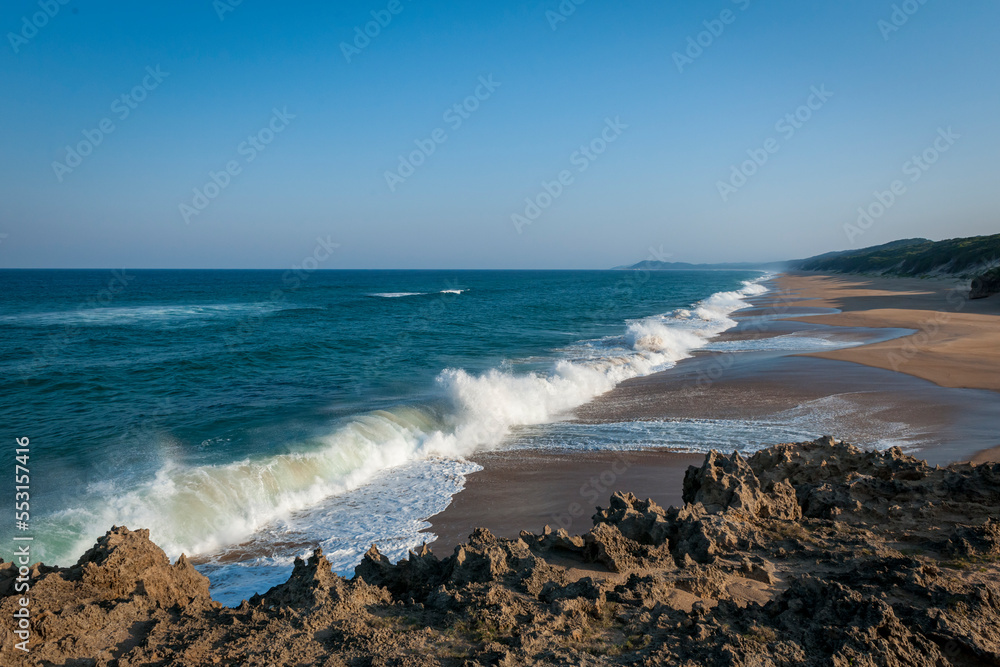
column 518, row 491
column 467, row 335
column 955, row 340
column 817, row 548
column 926, row 364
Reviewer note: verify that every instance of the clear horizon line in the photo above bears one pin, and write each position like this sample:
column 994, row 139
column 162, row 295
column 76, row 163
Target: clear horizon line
column 118, row 268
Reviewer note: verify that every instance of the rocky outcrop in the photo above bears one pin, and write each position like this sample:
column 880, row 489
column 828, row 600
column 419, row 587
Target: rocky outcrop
column 810, row 554
column 985, row 285
column 104, row 605
column 730, row 483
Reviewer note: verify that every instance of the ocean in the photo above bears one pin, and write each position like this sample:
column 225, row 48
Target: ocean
column 245, row 416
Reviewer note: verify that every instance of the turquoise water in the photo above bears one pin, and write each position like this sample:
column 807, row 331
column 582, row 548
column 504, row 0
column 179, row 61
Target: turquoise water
column 222, row 407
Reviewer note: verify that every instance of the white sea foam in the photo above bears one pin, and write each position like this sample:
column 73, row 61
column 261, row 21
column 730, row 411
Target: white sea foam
column 201, row 509
column 391, row 510
column 164, row 315
column 808, row 421
column 785, row 343
column 396, row 295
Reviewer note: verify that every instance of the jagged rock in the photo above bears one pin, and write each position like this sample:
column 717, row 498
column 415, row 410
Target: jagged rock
column 585, row 588
column 607, row 545
column 646, row 591
column 421, row 570
column 377, row 570
column 974, row 541
column 485, row 558
column 690, row 539
column 758, row 569
column 826, row 501
column 549, row 541
column 124, row 562
column 641, row 520
column 118, row 587
column 313, row 583
column 730, row 483
column 856, row 627
column 812, row 554
column 700, row 536
column 444, row 599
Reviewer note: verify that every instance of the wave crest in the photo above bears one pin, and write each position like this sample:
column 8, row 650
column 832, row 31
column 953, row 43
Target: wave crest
column 198, row 509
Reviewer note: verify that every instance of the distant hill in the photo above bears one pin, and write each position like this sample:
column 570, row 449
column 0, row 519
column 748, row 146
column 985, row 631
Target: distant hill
column 652, row 265
column 912, row 257
column 962, row 258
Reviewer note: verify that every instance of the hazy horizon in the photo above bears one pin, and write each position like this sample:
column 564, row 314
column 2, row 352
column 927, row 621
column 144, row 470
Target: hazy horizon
column 544, row 135
column 652, row 254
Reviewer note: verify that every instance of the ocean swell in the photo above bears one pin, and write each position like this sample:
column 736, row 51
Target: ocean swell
column 201, row 509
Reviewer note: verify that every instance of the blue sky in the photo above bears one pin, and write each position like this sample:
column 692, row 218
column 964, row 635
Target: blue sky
column 554, row 86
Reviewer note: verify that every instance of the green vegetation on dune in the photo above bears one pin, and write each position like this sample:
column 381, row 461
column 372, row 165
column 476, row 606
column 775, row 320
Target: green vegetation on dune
column 912, row 257
column 993, row 274
column 986, row 285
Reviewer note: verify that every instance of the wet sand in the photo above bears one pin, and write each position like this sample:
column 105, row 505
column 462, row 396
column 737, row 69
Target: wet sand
column 945, row 391
column 956, row 340
column 987, row 456
column 527, row 490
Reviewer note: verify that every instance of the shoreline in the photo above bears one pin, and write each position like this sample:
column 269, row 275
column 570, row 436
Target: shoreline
column 953, row 345
column 872, row 396
column 815, row 550
column 558, row 488
column 753, row 552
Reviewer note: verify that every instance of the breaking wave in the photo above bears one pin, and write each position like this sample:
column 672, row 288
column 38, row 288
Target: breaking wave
column 199, row 509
